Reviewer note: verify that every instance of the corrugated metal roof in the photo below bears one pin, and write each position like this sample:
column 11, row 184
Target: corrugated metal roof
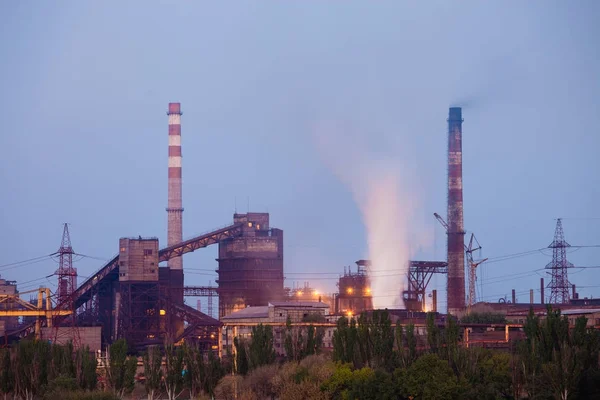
column 303, row 304
column 580, row 311
column 249, row 312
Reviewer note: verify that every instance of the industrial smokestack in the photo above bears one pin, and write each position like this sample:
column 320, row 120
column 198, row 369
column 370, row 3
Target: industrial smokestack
column 514, row 296
column 174, row 205
column 434, row 300
column 456, row 231
column 542, row 290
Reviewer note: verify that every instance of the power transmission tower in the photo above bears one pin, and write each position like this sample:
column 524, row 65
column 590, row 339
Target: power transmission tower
column 67, row 275
column 559, row 284
column 66, row 329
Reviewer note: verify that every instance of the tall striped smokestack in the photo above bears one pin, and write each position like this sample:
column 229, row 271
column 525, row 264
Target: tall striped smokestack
column 456, row 231
column 174, row 205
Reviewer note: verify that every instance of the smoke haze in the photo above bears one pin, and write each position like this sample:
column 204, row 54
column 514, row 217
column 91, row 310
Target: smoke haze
column 385, row 191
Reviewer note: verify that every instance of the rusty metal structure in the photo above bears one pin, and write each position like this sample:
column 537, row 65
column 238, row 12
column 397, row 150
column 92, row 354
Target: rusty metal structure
column 42, row 311
column 250, row 264
column 207, row 292
column 419, row 275
column 355, row 294
column 559, row 284
column 456, row 232
column 132, row 297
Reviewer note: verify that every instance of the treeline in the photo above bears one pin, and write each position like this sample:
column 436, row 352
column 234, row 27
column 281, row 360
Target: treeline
column 183, row 369
column 260, row 349
column 38, row 369
column 371, row 359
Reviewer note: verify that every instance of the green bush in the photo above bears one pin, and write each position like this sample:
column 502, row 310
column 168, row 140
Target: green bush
column 63, row 383
column 79, row 395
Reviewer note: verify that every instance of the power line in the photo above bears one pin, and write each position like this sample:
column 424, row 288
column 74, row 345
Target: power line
column 91, row 257
column 31, row 260
column 26, row 264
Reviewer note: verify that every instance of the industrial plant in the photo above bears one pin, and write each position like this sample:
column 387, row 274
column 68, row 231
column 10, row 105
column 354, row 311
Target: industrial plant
column 133, row 296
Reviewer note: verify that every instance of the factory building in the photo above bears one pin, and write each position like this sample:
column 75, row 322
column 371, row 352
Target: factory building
column 275, row 314
column 250, row 265
column 7, row 288
column 355, row 294
column 137, row 309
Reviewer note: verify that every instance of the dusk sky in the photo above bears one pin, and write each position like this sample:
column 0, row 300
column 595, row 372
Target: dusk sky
column 280, row 101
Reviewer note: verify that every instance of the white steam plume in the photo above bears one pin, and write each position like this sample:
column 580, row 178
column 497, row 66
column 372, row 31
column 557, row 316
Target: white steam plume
column 387, row 195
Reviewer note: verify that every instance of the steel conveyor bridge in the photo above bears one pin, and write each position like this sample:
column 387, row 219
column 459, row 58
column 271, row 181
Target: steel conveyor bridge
column 110, row 270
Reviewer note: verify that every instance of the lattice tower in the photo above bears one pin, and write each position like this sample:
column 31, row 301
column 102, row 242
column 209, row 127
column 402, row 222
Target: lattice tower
column 559, row 284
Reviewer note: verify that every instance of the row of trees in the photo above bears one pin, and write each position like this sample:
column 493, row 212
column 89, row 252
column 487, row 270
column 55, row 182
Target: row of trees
column 33, row 369
column 260, row 350
column 38, row 369
column 372, row 359
column 185, row 368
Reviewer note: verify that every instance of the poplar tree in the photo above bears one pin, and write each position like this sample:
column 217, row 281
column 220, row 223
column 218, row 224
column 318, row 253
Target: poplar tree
column 152, row 371
column 173, row 371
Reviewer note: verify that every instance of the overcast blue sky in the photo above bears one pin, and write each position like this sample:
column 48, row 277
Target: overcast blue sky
column 84, row 88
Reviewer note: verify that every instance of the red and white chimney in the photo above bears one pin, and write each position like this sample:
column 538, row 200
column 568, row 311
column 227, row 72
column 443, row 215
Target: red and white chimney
column 174, row 205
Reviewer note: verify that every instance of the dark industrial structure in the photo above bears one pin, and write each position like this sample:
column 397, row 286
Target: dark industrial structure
column 250, row 264
column 133, row 297
column 419, row 275
column 456, row 231
column 355, row 294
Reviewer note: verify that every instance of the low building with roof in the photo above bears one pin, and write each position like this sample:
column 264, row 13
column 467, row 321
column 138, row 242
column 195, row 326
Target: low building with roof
column 302, row 314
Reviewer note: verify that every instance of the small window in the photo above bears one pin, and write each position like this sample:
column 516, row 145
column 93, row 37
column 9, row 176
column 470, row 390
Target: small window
column 281, row 314
column 122, row 249
column 147, row 252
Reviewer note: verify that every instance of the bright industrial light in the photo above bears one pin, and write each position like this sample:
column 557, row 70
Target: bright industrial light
column 299, row 292
column 162, row 312
column 316, row 292
column 349, row 313
column 368, row 290
column 349, row 290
